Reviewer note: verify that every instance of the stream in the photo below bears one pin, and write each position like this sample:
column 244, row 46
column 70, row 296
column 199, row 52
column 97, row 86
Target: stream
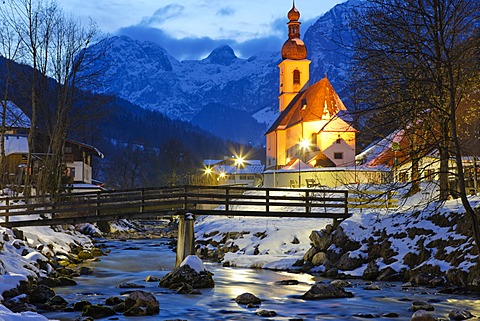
column 134, row 260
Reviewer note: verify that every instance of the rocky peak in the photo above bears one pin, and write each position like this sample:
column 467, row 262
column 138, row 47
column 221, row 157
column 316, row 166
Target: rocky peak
column 223, row 55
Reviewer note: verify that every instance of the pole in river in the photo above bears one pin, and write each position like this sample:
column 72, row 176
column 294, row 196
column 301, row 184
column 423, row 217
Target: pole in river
column 186, row 237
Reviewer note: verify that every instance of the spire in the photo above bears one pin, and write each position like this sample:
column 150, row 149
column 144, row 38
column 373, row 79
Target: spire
column 294, row 48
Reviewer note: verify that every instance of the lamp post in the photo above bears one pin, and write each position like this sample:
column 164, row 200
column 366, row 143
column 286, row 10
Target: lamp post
column 238, row 163
column 208, row 173
column 395, row 149
column 303, row 145
column 475, row 174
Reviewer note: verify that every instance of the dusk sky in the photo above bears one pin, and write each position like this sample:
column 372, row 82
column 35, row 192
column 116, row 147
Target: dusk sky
column 191, row 29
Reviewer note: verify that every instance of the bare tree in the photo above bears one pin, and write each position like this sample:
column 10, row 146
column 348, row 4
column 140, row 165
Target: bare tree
column 417, row 62
column 9, row 50
column 53, row 44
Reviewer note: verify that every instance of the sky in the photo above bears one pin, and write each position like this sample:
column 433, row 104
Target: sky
column 191, row 29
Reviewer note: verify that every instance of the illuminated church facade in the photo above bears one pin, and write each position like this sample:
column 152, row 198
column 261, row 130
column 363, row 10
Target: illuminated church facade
column 312, row 128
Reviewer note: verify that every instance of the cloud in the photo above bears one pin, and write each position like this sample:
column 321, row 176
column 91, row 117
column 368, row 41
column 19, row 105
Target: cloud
column 226, row 11
column 199, row 47
column 182, row 49
column 163, row 14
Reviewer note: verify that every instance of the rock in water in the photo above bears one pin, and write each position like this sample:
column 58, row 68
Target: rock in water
column 422, row 315
column 141, row 303
column 247, row 298
column 185, row 274
column 457, row 314
column 326, row 291
column 97, row 311
column 421, row 305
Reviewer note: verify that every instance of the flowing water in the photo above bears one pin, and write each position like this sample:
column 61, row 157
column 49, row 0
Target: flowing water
column 134, row 260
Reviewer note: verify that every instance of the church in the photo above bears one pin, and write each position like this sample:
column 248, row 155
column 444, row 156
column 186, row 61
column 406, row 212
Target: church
column 312, row 129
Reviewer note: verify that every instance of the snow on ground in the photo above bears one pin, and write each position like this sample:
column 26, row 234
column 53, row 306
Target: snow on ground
column 276, row 243
column 19, row 257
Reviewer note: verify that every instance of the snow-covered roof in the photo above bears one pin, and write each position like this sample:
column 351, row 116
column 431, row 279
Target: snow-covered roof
column 99, row 153
column 16, row 144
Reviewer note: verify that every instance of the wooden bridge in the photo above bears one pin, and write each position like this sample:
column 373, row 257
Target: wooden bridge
column 169, row 201
column 184, row 202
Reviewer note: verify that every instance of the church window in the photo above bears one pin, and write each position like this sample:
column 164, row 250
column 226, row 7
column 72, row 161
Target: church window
column 296, row 77
column 314, row 139
column 338, row 155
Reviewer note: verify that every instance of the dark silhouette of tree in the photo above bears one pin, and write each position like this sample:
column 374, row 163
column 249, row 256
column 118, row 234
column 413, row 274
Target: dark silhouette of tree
column 416, row 63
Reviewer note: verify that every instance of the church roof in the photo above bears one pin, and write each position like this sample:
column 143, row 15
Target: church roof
column 317, row 102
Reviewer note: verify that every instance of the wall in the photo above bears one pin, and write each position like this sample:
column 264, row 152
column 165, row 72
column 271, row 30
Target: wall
column 330, row 178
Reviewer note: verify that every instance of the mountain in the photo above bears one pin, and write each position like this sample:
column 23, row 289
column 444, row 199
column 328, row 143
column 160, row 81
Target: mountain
column 329, row 42
column 145, row 74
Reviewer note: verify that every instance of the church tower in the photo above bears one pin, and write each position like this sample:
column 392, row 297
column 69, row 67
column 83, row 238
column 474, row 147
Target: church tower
column 294, row 68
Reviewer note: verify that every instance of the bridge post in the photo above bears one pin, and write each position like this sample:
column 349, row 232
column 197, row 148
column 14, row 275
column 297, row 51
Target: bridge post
column 186, row 237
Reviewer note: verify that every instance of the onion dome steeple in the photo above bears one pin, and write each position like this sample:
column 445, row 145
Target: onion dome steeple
column 294, row 48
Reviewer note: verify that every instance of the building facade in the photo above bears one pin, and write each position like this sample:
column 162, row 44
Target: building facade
column 313, row 125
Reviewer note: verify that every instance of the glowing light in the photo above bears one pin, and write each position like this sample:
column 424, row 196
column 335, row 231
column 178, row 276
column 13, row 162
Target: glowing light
column 208, row 171
column 239, row 161
column 304, row 144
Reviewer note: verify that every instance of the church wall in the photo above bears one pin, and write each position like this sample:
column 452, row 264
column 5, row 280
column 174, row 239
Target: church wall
column 333, row 143
column 329, row 178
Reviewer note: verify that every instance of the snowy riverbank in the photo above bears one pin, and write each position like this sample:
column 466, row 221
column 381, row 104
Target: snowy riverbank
column 30, row 253
column 419, row 236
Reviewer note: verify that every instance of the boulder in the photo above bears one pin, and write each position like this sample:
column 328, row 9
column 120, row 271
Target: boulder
column 421, row 305
column 141, row 303
column 185, row 288
column 84, row 270
column 113, row 300
column 341, row 283
column 185, row 274
column 388, row 274
column 247, row 298
column 348, row 263
column 310, row 254
column 460, row 314
column 326, row 291
column 371, row 272
column 266, row 313
column 151, row 278
column 66, row 281
column 320, row 258
column 97, row 311
column 78, row 306
column 422, row 315
column 321, row 240
column 341, row 240
column 458, row 277
column 40, row 294
column 372, row 287
column 129, row 285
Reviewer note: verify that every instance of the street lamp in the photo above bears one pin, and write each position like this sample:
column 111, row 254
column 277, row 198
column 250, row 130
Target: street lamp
column 304, row 144
column 208, row 173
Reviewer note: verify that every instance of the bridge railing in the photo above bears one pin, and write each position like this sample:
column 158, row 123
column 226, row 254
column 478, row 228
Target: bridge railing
column 210, row 200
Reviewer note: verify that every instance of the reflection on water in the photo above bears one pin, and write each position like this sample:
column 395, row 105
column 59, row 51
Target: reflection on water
column 134, row 260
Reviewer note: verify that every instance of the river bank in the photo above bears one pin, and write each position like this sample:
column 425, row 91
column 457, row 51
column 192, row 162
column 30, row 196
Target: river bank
column 420, row 243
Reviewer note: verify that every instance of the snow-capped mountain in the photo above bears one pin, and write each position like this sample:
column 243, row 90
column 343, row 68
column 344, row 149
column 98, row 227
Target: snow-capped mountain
column 146, row 75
